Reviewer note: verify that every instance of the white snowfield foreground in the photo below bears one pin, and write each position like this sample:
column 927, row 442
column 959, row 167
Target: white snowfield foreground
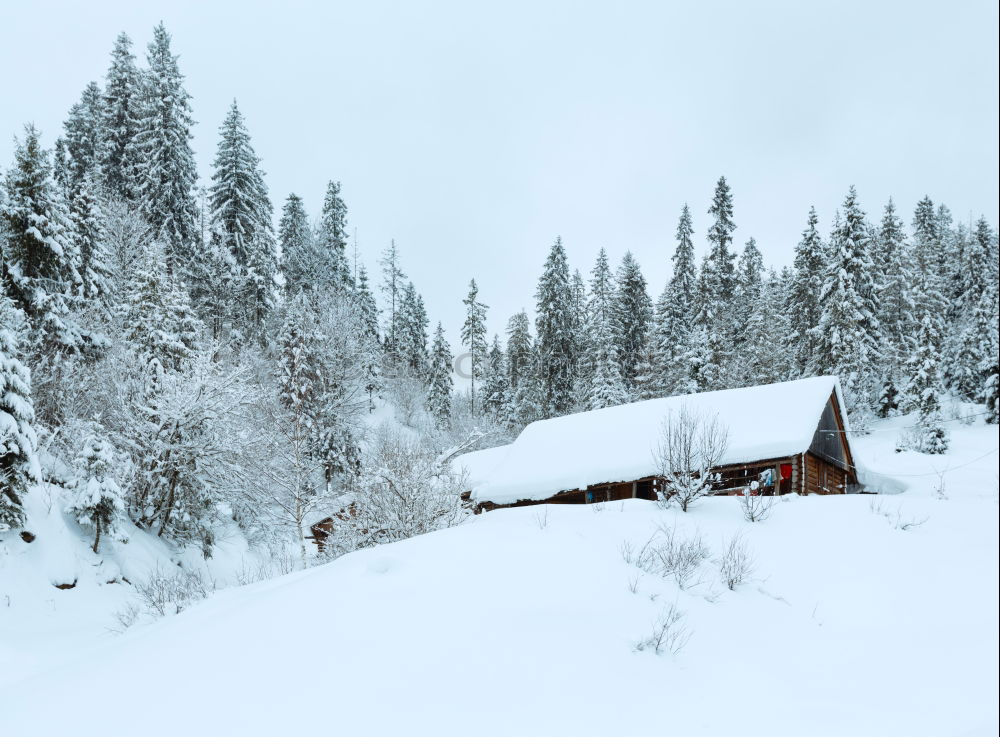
column 617, row 443
column 524, row 621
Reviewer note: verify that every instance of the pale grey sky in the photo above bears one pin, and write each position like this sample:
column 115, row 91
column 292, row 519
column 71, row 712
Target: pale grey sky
column 474, row 133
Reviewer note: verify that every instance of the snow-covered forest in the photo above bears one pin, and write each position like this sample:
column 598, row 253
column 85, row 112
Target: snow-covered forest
column 177, row 354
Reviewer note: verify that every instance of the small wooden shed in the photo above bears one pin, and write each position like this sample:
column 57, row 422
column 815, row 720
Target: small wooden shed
column 789, row 437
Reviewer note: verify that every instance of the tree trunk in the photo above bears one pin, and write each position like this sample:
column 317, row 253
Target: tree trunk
column 97, row 537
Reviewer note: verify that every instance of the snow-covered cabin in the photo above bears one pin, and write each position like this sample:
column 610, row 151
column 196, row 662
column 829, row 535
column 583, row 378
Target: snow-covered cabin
column 787, row 437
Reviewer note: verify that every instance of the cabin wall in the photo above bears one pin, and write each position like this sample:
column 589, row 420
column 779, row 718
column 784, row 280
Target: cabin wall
column 822, row 477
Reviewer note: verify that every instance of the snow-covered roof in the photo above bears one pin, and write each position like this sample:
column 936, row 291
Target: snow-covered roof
column 479, row 465
column 616, row 444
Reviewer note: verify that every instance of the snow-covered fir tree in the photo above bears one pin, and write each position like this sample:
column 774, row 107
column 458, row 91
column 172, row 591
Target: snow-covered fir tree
column 411, row 337
column 474, row 339
column 807, row 284
column 393, row 283
column 84, row 138
column 298, row 252
column 848, row 331
column 121, row 110
column 439, row 381
column 19, row 467
column 746, row 338
column 165, row 184
column 631, row 316
column 674, row 314
column 716, row 287
column 39, row 268
column 241, row 221
column 555, row 323
column 332, row 270
column 599, row 311
column 96, row 499
column 371, row 348
column 496, row 384
column 520, row 349
column 891, row 263
column 924, row 391
column 86, row 230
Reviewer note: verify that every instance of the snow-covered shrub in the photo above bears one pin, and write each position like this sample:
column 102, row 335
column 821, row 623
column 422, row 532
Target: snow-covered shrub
column 171, row 592
column 755, row 506
column 737, row 563
column 690, row 446
column 96, row 497
column 405, row 488
column 669, row 633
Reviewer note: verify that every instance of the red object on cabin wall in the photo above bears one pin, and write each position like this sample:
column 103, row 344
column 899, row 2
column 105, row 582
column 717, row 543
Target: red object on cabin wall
column 786, row 471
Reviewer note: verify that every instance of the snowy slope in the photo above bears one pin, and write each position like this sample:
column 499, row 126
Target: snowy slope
column 523, row 622
column 617, row 443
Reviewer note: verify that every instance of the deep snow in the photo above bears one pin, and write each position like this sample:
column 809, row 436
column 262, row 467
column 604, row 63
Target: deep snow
column 523, row 622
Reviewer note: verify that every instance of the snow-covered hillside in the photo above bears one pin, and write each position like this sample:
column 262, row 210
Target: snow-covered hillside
column 525, row 621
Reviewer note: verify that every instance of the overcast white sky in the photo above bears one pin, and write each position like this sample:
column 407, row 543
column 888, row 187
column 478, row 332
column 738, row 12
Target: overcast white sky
column 474, row 133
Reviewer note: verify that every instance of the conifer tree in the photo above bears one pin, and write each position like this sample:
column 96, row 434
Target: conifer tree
column 747, row 336
column 411, row 340
column 18, row 440
column 474, row 338
column 97, row 499
column 439, row 380
column 520, row 349
column 988, row 315
column 333, row 271
column 848, row 330
column 554, row 324
column 393, row 282
column 241, row 220
column 496, row 384
column 926, row 282
column 599, row 311
column 86, row 230
column 84, row 135
column 807, row 284
column 716, row 288
column 674, row 314
column 890, row 261
column 925, row 391
column 297, row 247
column 39, row 268
column 165, row 186
column 607, row 388
column 121, row 110
column 370, row 347
column 631, row 317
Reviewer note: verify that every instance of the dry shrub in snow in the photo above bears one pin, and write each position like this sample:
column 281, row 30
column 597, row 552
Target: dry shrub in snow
column 669, row 633
column 737, row 563
column 165, row 593
column 690, row 446
column 667, row 554
column 755, row 507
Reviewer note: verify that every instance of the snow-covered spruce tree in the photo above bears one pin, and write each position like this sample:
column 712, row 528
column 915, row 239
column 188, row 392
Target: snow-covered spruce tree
column 926, row 278
column 581, row 338
column 891, row 263
column 439, row 383
column 605, row 387
column 762, row 358
column 520, row 349
column 121, row 111
column 717, row 284
column 165, row 184
column 675, row 314
column 39, row 268
column 371, row 348
column 84, row 138
column 298, row 249
column 332, row 271
column 496, row 384
column 555, row 324
column 474, row 339
column 18, row 440
column 807, row 284
column 411, row 335
column 747, row 338
column 924, row 391
column 632, row 314
column 848, row 331
column 86, row 230
column 393, row 283
column 599, row 311
column 159, row 321
column 96, row 497
column 241, row 221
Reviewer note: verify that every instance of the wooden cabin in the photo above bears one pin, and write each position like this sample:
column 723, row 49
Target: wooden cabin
column 790, row 437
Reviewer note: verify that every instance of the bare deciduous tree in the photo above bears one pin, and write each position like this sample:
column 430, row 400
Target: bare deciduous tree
column 756, row 507
column 690, row 446
column 737, row 563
